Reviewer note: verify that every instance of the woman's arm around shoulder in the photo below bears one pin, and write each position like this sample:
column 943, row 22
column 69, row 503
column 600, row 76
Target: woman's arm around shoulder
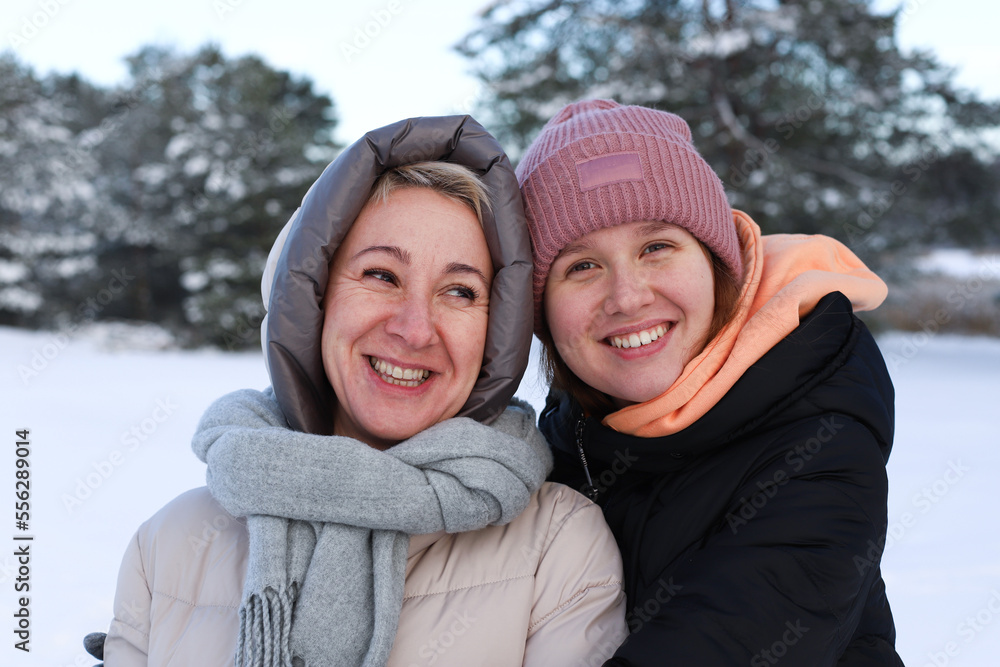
column 578, row 617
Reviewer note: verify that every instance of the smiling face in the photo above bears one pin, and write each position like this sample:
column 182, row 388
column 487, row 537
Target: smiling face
column 405, row 316
column 629, row 306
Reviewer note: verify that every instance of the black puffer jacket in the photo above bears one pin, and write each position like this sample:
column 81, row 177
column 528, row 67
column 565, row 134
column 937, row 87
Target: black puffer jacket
column 754, row 536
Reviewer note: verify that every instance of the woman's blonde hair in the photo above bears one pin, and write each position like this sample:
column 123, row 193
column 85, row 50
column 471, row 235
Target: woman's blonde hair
column 454, row 181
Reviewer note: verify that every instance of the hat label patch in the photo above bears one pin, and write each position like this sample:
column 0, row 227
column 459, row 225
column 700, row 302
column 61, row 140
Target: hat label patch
column 609, row 169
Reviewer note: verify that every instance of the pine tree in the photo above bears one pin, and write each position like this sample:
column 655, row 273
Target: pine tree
column 807, row 109
column 212, row 155
column 219, row 154
column 48, row 199
column 174, row 184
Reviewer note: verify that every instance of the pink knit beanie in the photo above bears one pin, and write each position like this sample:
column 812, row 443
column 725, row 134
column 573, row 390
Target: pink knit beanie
column 598, row 164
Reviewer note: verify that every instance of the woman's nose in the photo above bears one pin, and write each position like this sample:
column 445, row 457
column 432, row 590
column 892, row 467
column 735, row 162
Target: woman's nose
column 628, row 291
column 413, row 321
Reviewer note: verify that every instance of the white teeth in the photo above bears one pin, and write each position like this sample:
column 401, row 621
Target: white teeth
column 403, row 377
column 641, row 338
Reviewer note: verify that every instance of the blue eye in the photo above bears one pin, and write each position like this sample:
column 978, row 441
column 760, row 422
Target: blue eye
column 581, row 266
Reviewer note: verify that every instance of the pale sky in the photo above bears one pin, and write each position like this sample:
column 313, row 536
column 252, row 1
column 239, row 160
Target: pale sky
column 380, row 60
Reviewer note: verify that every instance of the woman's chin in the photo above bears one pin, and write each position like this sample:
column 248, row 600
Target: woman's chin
column 387, row 435
column 625, row 391
column 379, row 429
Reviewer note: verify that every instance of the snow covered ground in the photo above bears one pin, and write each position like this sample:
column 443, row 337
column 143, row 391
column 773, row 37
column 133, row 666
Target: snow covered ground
column 109, row 433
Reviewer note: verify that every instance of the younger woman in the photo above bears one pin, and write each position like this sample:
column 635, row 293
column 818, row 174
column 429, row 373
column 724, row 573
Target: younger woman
column 713, row 390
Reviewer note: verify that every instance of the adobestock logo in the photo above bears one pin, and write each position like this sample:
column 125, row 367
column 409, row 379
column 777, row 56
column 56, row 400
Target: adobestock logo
column 363, row 36
column 881, row 201
column 209, row 532
column 88, row 310
column 779, row 649
column 102, row 470
column 962, row 295
column 610, row 476
column 645, row 612
column 795, row 459
column 32, row 25
column 925, row 500
column 433, row 649
column 972, row 626
column 223, row 7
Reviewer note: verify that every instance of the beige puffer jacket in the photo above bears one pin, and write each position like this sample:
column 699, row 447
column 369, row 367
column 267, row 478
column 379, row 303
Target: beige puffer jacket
column 469, row 598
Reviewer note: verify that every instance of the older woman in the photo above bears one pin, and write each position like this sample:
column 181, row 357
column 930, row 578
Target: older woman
column 382, row 503
column 715, row 393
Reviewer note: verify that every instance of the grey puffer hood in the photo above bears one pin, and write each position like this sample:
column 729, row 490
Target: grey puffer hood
column 297, row 271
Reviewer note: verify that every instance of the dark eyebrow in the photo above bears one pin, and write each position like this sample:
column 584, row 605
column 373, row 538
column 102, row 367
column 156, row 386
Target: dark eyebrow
column 458, row 267
column 576, row 246
column 655, row 227
column 392, row 250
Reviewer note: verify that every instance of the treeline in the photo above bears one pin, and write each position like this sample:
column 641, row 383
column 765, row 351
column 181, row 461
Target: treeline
column 156, row 201
column 807, row 109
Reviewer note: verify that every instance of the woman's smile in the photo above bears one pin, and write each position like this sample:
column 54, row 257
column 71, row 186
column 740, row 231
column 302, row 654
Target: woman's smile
column 638, row 338
column 398, row 375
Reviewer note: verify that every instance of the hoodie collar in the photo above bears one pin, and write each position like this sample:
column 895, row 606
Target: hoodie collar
column 785, row 277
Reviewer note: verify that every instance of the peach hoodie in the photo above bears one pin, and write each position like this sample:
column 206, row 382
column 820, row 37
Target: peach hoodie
column 785, row 276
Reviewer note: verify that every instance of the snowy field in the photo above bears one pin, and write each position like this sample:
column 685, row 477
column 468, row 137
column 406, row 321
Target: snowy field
column 109, row 434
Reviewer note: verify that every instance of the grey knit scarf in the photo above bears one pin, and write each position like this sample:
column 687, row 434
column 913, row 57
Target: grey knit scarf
column 329, row 519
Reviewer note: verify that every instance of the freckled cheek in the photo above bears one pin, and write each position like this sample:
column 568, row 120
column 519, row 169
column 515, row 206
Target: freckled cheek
column 569, row 321
column 701, row 296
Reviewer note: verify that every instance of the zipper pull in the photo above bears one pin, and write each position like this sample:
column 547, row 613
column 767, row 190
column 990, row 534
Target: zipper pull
column 589, row 489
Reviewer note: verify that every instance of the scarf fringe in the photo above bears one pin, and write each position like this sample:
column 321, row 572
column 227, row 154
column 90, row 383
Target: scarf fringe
column 265, row 629
column 484, row 474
